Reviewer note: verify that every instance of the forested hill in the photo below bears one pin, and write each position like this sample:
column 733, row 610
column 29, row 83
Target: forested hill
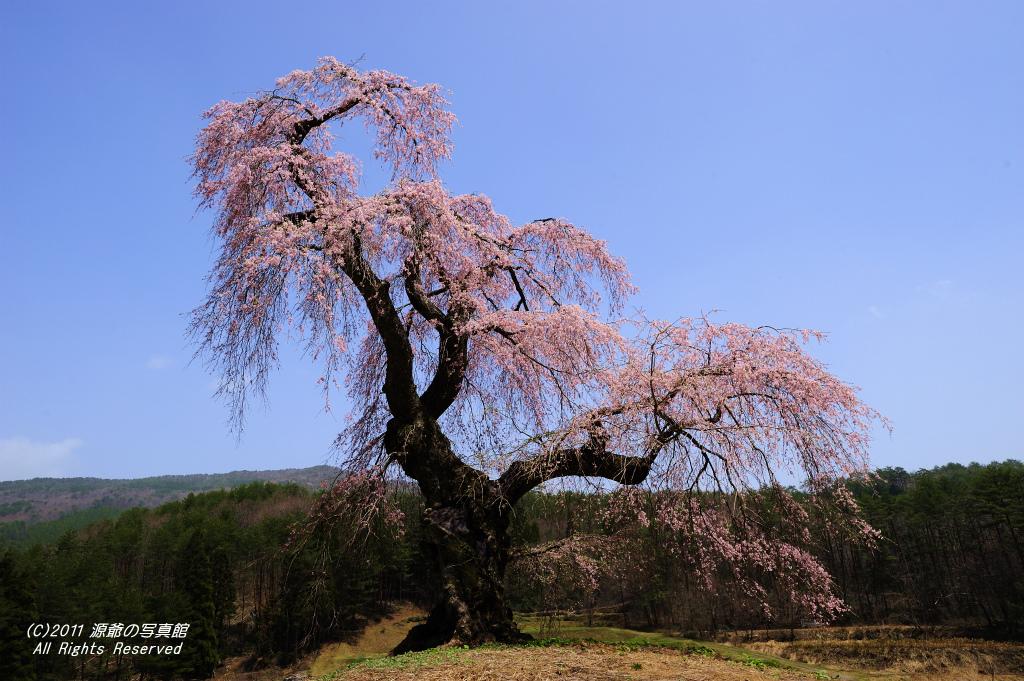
column 270, row 571
column 46, row 499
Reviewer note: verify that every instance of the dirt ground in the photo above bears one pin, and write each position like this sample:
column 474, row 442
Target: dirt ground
column 832, row 657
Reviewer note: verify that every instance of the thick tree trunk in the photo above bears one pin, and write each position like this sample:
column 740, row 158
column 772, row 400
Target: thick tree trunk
column 468, row 551
column 465, row 539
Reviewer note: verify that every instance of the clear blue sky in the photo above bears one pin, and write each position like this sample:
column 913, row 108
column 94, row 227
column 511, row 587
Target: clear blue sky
column 853, row 167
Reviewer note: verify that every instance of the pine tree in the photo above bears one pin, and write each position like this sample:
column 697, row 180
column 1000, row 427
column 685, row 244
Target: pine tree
column 17, row 611
column 195, row 579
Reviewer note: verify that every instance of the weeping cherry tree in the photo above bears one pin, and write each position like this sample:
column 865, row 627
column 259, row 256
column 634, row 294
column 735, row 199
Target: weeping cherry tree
column 482, row 358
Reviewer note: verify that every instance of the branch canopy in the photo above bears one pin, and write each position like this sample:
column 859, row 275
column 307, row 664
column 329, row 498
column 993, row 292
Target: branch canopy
column 434, row 306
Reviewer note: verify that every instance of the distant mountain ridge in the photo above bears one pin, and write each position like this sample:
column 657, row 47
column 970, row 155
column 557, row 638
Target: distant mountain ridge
column 43, row 499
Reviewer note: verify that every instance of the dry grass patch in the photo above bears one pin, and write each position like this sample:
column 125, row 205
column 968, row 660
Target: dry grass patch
column 377, row 640
column 956, row 657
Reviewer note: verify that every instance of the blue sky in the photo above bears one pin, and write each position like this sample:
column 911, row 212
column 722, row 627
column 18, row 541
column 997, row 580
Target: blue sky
column 853, row 167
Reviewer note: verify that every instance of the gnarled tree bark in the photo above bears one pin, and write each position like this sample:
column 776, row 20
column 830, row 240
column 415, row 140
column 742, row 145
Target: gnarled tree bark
column 465, row 525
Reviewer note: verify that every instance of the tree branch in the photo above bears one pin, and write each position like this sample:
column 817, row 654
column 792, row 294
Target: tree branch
column 399, row 386
column 301, row 128
column 452, row 349
column 589, row 460
column 519, row 288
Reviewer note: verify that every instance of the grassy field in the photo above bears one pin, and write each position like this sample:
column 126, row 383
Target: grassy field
column 581, row 653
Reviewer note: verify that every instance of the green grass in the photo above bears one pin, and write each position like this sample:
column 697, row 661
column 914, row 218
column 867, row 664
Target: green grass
column 628, row 639
column 569, row 632
column 434, row 656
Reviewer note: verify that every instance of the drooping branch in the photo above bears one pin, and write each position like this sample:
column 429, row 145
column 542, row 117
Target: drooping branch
column 399, row 385
column 592, row 459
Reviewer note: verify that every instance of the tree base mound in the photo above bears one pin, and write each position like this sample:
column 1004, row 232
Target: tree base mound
column 575, row 662
column 436, row 631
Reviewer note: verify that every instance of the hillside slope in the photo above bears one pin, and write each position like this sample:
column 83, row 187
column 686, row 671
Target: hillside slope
column 46, row 499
